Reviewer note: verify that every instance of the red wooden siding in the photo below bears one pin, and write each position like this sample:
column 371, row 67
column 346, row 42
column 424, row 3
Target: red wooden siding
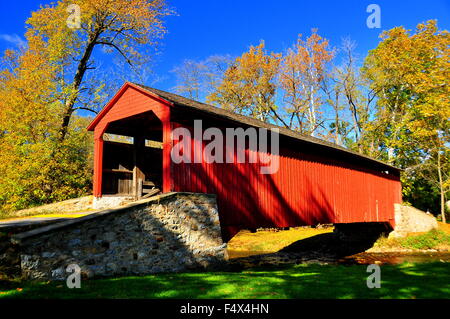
column 307, row 189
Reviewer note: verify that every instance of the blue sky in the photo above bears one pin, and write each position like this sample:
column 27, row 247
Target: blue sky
column 205, row 28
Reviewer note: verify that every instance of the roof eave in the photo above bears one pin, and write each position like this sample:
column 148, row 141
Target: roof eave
column 123, row 88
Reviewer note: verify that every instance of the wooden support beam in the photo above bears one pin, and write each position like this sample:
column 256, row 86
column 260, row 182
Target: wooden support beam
column 98, row 166
column 152, row 192
column 138, row 174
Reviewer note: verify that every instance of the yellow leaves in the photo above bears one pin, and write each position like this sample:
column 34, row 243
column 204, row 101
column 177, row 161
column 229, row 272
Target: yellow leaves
column 44, row 84
column 249, row 83
column 411, row 72
column 127, row 27
column 35, row 169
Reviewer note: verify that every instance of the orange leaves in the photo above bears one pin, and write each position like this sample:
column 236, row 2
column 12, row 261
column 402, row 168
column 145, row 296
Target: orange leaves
column 249, row 85
column 302, row 71
column 315, row 52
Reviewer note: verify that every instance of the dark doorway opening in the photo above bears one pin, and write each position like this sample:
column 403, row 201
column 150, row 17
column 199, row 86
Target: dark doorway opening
column 132, row 156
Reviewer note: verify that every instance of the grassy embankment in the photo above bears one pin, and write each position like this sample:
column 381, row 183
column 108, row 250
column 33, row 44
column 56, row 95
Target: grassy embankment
column 438, row 239
column 71, row 208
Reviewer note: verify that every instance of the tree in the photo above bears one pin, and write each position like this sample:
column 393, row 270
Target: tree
column 126, row 27
column 45, row 149
column 34, row 166
column 190, row 78
column 248, row 86
column 332, row 88
column 410, row 73
column 196, row 80
column 302, row 73
column 346, row 91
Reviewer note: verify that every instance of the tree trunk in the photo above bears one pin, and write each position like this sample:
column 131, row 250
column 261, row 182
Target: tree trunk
column 77, row 80
column 441, row 186
column 336, row 119
column 312, row 112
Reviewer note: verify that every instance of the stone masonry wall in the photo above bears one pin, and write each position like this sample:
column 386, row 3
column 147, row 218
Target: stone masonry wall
column 411, row 220
column 168, row 233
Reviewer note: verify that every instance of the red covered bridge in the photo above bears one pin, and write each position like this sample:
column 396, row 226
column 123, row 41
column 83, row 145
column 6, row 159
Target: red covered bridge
column 317, row 181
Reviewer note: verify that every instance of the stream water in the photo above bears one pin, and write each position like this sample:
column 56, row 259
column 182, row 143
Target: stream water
column 396, row 258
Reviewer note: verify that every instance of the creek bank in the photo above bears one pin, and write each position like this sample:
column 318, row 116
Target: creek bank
column 334, row 248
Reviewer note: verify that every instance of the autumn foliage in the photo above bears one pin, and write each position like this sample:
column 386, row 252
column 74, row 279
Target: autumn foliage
column 393, row 105
column 45, row 149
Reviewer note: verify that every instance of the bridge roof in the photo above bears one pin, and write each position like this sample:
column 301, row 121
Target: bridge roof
column 183, row 102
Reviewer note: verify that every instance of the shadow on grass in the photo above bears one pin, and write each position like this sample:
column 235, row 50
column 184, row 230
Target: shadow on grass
column 329, row 245
column 327, row 248
column 428, row 280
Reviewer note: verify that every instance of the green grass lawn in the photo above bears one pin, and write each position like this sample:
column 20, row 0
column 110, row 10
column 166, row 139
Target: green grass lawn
column 426, row 280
